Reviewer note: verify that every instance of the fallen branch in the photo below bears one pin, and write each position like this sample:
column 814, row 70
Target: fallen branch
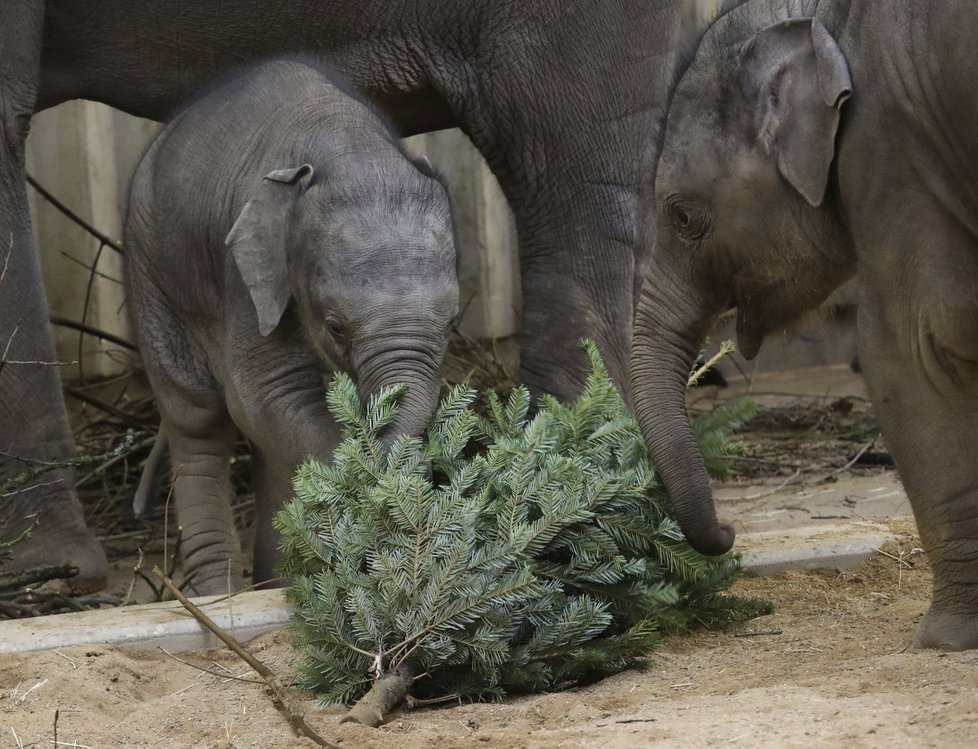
column 11, row 610
column 280, row 696
column 39, row 575
column 40, row 467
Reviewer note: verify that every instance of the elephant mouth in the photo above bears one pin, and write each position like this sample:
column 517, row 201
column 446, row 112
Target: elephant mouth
column 751, row 326
column 748, row 341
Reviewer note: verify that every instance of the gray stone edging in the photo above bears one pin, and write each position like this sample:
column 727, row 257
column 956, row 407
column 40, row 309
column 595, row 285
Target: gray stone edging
column 248, row 615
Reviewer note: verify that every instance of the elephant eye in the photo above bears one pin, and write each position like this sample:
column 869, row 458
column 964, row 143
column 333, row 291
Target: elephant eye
column 689, row 222
column 336, row 329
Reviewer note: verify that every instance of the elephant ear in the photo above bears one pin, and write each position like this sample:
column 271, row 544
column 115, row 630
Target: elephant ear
column 258, row 242
column 802, row 79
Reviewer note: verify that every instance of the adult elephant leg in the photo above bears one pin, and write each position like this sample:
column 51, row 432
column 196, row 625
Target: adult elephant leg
column 575, row 155
column 34, row 429
column 577, row 282
column 577, row 222
column 923, row 379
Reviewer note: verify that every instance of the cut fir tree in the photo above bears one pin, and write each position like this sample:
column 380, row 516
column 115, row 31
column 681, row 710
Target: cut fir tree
column 501, row 553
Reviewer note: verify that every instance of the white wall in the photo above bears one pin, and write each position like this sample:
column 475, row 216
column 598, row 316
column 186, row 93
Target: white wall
column 83, row 153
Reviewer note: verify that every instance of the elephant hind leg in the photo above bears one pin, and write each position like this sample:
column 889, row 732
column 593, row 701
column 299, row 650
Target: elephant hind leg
column 929, row 416
column 201, row 438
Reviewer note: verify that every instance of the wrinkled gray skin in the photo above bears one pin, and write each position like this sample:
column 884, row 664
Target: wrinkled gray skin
column 276, row 227
column 564, row 100
column 809, row 141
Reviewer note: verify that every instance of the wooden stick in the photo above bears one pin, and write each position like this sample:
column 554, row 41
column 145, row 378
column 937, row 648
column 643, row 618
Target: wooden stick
column 280, row 696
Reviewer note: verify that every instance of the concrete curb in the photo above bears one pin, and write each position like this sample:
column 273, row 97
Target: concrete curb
column 248, row 615
column 815, row 547
column 150, row 625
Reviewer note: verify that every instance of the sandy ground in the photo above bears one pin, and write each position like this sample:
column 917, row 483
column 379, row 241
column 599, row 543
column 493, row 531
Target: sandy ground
column 830, row 668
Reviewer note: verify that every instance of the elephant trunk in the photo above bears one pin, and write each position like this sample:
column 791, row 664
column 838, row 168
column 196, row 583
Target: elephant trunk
column 419, row 370
column 670, row 325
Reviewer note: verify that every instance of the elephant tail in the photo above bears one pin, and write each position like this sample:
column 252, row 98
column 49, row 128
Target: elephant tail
column 151, row 479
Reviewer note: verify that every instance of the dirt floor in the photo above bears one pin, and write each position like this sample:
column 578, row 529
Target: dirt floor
column 830, row 668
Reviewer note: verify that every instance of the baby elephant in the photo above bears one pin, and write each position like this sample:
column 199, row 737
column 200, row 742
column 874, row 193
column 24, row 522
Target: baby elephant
column 276, row 226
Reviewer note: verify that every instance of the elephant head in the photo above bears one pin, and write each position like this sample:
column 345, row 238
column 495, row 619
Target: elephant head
column 746, row 217
column 366, row 253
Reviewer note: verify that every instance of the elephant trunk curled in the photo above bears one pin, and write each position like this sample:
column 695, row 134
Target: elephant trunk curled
column 417, row 368
column 669, row 328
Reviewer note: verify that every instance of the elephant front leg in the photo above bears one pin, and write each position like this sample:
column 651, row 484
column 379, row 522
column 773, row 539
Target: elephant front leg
column 926, row 398
column 579, row 256
column 41, row 521
column 574, row 153
column 272, row 490
column 574, row 287
column 209, row 547
column 276, row 398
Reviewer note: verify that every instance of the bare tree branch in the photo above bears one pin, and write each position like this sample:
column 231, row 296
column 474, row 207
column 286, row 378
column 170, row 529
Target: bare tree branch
column 106, row 240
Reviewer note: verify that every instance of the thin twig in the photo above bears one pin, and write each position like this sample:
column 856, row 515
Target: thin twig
column 100, row 469
column 90, row 268
column 36, row 686
column 280, row 696
column 6, row 261
column 40, row 467
column 208, row 671
column 769, row 492
column 903, row 562
column 115, row 244
column 726, row 347
column 757, row 632
column 135, row 421
column 413, row 702
column 32, row 487
column 63, row 322
column 852, row 462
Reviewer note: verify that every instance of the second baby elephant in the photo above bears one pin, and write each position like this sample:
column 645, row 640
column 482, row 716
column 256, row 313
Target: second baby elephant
column 810, row 140
column 275, row 227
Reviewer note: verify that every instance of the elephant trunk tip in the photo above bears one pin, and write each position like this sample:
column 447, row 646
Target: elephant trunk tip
column 713, row 542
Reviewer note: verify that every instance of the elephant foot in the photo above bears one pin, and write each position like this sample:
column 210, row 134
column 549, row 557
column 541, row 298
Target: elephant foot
column 947, row 630
column 50, row 544
column 214, row 579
